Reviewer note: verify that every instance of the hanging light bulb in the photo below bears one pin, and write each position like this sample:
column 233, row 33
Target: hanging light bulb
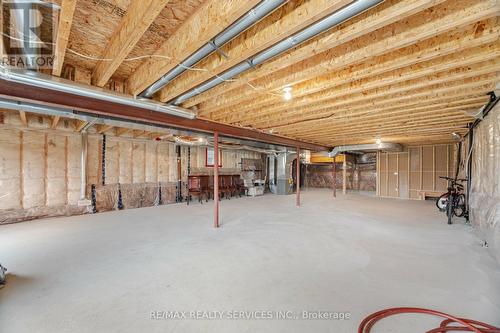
column 287, row 93
column 378, row 141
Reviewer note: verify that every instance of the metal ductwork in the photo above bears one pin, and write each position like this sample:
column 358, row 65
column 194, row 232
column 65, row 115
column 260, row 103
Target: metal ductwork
column 90, row 119
column 332, row 20
column 260, row 11
column 36, row 79
column 387, row 146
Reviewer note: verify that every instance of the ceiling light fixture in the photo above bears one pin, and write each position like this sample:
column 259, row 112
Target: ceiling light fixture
column 456, row 136
column 287, row 93
column 378, row 141
column 345, row 13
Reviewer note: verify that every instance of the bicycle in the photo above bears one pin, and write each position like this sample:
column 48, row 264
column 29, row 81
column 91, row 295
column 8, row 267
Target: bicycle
column 455, row 206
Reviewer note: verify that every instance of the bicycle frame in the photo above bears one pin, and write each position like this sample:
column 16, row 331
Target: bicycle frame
column 453, row 201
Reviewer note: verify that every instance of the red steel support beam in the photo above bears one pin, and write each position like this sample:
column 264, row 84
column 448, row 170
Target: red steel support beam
column 298, row 177
column 43, row 96
column 216, row 179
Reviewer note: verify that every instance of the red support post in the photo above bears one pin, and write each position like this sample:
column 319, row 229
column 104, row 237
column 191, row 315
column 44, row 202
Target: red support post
column 334, row 182
column 298, row 176
column 216, row 179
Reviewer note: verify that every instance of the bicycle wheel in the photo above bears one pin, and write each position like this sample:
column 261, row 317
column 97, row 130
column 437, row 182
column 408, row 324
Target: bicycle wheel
column 459, row 209
column 442, row 202
column 449, row 208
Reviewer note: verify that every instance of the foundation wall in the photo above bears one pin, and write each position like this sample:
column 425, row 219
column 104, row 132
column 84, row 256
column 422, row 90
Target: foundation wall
column 360, row 174
column 40, row 169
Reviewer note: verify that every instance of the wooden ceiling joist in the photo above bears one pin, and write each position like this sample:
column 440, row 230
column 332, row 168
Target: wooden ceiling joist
column 435, row 21
column 466, row 87
column 65, row 21
column 411, row 65
column 122, row 130
column 346, row 99
column 407, row 71
column 431, row 116
column 140, row 15
column 421, row 97
column 283, row 22
column 410, row 74
column 101, row 129
column 384, row 14
column 200, row 28
column 432, row 126
column 24, row 118
column 404, row 113
column 79, row 125
column 55, row 121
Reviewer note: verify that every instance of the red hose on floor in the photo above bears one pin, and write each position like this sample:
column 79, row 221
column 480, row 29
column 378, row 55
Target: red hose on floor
column 467, row 325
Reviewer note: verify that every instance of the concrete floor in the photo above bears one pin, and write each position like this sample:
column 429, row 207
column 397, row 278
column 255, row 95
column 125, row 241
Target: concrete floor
column 356, row 254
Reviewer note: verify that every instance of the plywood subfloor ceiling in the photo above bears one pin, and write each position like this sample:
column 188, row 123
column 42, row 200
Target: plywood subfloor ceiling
column 407, row 71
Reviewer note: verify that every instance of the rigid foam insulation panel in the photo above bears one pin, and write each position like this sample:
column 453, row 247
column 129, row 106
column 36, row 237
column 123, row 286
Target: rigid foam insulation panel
column 414, row 173
column 485, row 187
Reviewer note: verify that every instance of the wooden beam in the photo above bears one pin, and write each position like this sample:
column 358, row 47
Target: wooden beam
column 138, row 18
column 423, row 104
column 65, row 21
column 340, row 48
column 403, row 115
column 481, row 72
column 344, row 175
column 400, row 91
column 103, row 128
column 382, row 127
column 138, row 133
column 283, row 22
column 79, row 125
column 424, row 73
column 432, row 22
column 411, row 101
column 55, row 121
column 210, row 19
column 318, row 89
column 122, row 130
column 24, row 118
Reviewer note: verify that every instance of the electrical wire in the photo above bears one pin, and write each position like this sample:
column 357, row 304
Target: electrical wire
column 466, row 325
